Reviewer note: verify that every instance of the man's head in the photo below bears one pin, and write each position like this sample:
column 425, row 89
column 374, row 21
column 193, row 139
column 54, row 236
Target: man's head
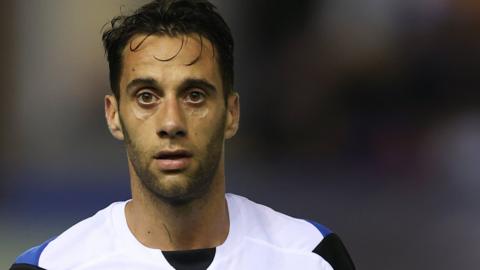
column 173, row 102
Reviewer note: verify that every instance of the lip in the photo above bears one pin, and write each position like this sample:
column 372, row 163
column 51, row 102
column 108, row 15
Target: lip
column 173, row 160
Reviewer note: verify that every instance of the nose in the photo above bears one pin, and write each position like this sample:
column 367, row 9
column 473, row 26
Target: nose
column 171, row 120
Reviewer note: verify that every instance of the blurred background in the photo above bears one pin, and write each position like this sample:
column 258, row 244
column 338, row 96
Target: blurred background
column 362, row 115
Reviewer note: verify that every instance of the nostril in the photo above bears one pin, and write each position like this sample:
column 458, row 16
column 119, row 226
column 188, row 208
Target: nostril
column 181, row 133
column 172, row 134
column 163, row 134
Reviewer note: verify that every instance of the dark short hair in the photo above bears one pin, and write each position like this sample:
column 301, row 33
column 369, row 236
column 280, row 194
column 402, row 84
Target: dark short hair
column 172, row 18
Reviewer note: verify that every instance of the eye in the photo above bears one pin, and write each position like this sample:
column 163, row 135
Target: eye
column 195, row 97
column 146, row 98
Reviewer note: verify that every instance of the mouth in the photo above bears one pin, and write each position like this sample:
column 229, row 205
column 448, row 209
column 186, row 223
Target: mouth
column 173, row 160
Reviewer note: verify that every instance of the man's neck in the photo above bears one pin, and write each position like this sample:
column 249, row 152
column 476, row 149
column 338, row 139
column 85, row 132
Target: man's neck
column 202, row 223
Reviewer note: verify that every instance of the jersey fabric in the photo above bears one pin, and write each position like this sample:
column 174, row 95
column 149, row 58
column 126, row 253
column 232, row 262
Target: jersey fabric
column 259, row 238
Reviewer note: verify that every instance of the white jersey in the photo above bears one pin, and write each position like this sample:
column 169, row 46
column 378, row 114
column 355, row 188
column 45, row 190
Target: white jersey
column 259, row 238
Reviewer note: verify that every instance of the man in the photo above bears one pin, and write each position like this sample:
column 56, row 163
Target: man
column 173, row 104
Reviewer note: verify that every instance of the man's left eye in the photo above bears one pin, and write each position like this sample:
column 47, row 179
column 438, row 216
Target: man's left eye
column 195, row 97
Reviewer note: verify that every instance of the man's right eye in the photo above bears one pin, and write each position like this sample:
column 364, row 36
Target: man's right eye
column 146, row 98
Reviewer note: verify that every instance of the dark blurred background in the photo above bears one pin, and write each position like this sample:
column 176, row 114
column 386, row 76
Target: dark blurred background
column 362, row 115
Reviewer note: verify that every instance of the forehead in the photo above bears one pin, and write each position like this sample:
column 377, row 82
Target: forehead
column 169, row 58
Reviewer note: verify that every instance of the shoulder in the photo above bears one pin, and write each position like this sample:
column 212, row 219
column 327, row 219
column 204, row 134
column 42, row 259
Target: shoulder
column 285, row 232
column 262, row 223
column 80, row 243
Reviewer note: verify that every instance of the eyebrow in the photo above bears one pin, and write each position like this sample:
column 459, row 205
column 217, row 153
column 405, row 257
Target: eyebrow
column 187, row 83
column 200, row 83
column 139, row 82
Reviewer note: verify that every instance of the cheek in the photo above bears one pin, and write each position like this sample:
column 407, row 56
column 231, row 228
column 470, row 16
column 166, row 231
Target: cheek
column 142, row 114
column 197, row 113
column 206, row 124
column 204, row 121
column 136, row 119
column 139, row 131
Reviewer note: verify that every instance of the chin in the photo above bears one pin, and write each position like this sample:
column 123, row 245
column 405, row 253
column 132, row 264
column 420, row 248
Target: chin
column 176, row 197
column 177, row 190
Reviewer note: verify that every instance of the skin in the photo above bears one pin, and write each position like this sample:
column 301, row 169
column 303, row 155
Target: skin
column 174, row 209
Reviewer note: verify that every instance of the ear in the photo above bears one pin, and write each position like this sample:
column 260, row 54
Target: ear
column 113, row 117
column 233, row 115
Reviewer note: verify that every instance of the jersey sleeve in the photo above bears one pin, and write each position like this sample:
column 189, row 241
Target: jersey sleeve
column 29, row 259
column 332, row 249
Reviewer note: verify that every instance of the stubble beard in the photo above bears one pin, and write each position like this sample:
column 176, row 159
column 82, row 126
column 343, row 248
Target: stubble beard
column 197, row 183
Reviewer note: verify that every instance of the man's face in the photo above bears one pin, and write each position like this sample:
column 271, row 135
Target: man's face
column 172, row 115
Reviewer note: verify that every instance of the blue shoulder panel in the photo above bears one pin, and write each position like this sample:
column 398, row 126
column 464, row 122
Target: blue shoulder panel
column 32, row 256
column 323, row 230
